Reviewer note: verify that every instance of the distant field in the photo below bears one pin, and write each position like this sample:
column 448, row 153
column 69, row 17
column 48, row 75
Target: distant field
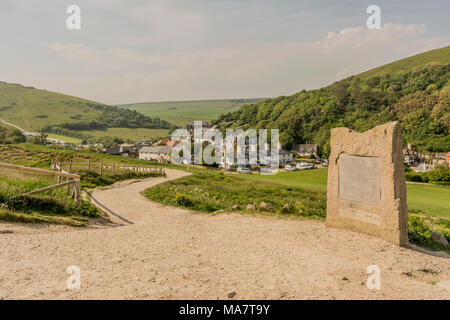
column 132, row 134
column 430, row 200
column 64, row 138
column 183, row 112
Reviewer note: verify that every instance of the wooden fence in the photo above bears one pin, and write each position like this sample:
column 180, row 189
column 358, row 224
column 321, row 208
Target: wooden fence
column 105, row 168
column 72, row 181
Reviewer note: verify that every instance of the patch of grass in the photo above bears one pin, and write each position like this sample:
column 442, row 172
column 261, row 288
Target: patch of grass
column 430, row 200
column 420, row 229
column 12, row 216
column 309, row 179
column 209, row 191
column 64, row 138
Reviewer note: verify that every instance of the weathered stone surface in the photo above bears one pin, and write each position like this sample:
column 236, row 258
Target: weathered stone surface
column 263, row 206
column 439, row 238
column 366, row 183
column 250, row 207
column 286, row 208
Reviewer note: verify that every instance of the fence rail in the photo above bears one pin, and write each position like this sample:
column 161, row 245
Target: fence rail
column 72, row 180
column 105, row 168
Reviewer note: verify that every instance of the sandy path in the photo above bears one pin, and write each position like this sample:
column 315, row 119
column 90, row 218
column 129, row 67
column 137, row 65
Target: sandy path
column 171, row 253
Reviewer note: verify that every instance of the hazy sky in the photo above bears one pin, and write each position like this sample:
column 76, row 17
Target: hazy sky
column 134, row 50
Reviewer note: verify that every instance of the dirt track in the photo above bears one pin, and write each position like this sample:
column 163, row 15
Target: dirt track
column 171, row 253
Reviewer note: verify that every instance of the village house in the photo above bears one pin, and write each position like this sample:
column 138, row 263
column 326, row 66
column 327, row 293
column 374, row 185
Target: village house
column 285, row 156
column 124, row 150
column 410, row 157
column 159, row 154
column 305, row 149
column 205, row 125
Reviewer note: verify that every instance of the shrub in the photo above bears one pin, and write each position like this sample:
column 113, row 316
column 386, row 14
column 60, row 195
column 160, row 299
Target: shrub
column 87, row 209
column 440, row 175
column 415, row 177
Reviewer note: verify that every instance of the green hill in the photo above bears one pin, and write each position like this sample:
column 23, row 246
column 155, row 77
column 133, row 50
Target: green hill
column 183, row 112
column 414, row 91
column 40, row 110
column 418, row 61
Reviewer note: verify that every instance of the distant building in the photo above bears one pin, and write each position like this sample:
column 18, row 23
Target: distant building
column 124, row 150
column 410, row 157
column 423, row 167
column 205, row 125
column 159, row 154
column 305, row 149
column 285, row 156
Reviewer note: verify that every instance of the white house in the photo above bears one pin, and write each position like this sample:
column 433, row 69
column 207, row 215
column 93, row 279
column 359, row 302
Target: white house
column 160, row 154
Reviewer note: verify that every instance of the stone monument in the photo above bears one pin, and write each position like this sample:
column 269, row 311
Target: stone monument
column 366, row 183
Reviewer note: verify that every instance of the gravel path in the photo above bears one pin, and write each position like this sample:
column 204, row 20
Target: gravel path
column 171, row 253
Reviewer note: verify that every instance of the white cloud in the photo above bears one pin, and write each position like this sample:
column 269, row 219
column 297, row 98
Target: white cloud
column 244, row 71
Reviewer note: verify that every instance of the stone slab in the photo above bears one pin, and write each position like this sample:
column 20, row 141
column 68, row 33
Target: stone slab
column 366, row 183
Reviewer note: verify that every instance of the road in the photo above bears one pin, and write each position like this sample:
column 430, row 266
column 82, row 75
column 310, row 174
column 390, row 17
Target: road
column 172, row 253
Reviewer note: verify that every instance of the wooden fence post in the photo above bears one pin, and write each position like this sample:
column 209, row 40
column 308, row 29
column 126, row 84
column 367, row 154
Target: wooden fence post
column 78, row 191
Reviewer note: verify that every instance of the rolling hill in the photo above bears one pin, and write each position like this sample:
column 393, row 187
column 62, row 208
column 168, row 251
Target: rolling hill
column 414, row 91
column 41, row 110
column 182, row 112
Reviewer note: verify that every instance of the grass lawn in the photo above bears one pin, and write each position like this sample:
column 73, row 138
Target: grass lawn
column 64, row 138
column 212, row 190
column 426, row 199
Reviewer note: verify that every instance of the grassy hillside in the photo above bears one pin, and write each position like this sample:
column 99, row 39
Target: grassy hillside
column 418, row 61
column 183, row 112
column 40, row 110
column 414, row 91
column 31, row 109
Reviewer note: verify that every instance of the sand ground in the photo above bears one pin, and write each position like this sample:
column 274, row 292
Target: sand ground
column 172, row 253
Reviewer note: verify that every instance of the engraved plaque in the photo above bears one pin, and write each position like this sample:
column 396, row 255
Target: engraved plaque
column 359, row 179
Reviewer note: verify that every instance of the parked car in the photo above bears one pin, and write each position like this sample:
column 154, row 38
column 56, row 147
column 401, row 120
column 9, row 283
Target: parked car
column 243, row 170
column 290, row 168
column 304, row 166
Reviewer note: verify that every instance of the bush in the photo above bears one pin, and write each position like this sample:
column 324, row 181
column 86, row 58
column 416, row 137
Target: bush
column 87, row 209
column 415, row 177
column 440, row 175
column 420, row 233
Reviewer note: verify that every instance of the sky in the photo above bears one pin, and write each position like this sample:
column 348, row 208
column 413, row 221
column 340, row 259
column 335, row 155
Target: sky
column 136, row 51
